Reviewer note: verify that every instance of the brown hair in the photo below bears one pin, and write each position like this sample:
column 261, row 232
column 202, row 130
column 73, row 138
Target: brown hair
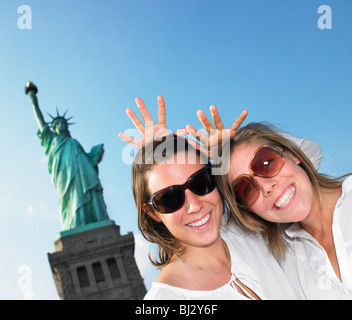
column 268, row 134
column 144, row 161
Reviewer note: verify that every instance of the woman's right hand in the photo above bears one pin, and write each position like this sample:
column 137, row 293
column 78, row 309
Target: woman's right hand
column 149, row 130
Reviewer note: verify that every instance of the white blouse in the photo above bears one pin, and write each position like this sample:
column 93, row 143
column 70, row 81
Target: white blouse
column 307, row 264
column 251, row 263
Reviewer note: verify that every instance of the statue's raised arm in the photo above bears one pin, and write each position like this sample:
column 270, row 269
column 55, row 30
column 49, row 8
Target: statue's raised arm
column 31, row 91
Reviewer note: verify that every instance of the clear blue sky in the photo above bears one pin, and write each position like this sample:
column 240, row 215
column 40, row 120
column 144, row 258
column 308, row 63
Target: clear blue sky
column 95, row 57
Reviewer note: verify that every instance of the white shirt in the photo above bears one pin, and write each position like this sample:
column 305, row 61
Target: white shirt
column 251, row 263
column 307, row 264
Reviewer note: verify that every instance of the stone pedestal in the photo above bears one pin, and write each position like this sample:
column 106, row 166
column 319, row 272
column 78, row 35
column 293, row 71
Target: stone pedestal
column 96, row 263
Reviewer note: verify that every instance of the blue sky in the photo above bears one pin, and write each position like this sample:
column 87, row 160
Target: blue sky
column 95, row 57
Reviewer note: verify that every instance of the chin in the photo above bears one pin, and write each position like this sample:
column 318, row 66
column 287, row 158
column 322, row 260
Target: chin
column 297, row 216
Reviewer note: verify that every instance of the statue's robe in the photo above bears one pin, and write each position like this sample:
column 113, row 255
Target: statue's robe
column 75, row 176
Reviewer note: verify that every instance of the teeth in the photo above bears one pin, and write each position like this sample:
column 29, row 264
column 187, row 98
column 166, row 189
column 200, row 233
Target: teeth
column 284, row 200
column 200, row 222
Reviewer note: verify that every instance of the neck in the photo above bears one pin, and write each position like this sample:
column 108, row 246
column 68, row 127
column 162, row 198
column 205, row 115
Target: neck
column 65, row 133
column 213, row 257
column 319, row 221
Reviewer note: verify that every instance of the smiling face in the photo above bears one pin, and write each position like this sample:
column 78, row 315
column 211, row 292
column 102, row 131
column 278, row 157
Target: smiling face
column 197, row 222
column 287, row 197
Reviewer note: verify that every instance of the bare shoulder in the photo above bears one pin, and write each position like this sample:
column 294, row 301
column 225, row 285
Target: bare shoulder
column 173, row 274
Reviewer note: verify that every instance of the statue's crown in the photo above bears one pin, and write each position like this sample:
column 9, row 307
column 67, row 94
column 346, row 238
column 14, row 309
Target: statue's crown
column 58, row 116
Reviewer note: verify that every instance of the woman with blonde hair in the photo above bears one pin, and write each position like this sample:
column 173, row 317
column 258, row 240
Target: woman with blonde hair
column 305, row 216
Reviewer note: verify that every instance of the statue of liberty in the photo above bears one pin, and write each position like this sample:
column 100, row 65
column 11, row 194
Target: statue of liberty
column 74, row 172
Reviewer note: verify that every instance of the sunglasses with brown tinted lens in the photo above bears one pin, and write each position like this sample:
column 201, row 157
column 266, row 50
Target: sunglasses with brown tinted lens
column 266, row 162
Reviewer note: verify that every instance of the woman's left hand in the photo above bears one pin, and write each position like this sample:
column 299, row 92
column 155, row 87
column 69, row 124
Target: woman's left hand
column 216, row 134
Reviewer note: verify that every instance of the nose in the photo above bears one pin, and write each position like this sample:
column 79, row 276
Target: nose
column 267, row 186
column 193, row 202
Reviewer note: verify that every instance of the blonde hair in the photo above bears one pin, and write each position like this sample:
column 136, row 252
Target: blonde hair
column 268, row 134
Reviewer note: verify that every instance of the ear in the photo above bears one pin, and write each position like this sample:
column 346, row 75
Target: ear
column 294, row 158
column 150, row 212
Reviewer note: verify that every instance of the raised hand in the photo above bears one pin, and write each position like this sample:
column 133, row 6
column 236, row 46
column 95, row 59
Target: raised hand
column 215, row 135
column 31, row 91
column 149, row 130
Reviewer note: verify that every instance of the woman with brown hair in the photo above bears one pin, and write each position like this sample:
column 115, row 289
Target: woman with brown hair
column 181, row 210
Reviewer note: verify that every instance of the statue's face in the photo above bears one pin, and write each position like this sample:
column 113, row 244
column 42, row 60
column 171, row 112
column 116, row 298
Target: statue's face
column 60, row 126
